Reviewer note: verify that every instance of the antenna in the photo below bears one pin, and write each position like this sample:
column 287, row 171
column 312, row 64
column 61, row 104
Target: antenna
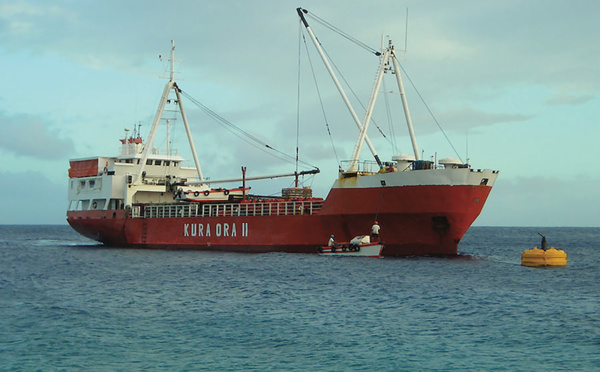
column 168, row 139
column 467, row 144
column 171, row 61
column 406, row 31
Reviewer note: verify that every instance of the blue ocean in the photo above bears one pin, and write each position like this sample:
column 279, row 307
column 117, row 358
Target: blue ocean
column 70, row 304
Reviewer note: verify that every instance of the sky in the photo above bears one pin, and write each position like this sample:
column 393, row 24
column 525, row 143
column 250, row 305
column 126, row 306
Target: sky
column 513, row 85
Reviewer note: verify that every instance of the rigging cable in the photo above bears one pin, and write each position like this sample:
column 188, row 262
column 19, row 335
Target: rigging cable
column 379, row 205
column 298, row 106
column 343, row 34
column 320, row 98
column 240, row 133
column 430, row 112
column 388, row 112
column 353, row 92
column 357, row 42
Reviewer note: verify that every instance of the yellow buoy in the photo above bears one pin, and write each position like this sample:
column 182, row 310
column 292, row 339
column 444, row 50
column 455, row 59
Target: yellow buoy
column 538, row 257
column 556, row 257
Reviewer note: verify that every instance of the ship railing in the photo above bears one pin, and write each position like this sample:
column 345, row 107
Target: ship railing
column 174, row 210
column 366, row 166
column 369, row 166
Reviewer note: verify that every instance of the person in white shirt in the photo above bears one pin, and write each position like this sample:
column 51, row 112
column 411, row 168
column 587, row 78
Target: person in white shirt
column 375, row 231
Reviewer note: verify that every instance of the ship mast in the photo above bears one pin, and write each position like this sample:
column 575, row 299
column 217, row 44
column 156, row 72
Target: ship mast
column 369, row 112
column 171, row 85
column 388, row 53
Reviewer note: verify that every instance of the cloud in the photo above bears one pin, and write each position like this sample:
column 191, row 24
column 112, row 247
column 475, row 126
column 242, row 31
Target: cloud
column 22, row 22
column 253, row 48
column 469, row 118
column 569, row 99
column 496, row 45
column 30, row 136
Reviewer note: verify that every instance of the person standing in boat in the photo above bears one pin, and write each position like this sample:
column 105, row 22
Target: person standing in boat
column 331, row 241
column 375, row 232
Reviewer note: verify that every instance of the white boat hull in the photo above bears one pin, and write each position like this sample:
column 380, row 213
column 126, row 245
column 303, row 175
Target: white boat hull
column 363, row 250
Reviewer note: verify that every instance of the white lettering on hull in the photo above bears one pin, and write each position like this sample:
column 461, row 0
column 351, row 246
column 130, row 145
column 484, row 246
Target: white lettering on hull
column 225, row 230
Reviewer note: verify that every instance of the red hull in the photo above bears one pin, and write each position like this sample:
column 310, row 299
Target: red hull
column 415, row 220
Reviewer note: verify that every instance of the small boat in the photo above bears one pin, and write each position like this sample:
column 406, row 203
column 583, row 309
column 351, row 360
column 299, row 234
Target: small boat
column 358, row 246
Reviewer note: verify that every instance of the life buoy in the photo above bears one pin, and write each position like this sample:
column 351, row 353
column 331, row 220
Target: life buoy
column 206, row 193
column 226, row 192
column 196, row 193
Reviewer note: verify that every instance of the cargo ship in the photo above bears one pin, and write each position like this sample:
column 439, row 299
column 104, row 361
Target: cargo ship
column 142, row 198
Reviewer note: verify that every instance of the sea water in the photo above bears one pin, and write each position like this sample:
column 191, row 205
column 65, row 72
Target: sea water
column 67, row 303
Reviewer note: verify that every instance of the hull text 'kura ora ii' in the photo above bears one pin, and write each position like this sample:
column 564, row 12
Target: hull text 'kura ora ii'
column 142, row 198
